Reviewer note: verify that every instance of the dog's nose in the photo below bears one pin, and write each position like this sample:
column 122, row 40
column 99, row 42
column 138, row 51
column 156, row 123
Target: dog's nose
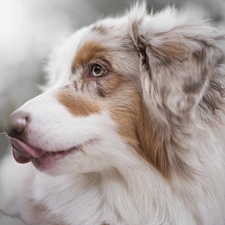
column 17, row 123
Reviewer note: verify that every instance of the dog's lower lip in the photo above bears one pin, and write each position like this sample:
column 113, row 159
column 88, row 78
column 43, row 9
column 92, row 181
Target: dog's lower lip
column 49, row 159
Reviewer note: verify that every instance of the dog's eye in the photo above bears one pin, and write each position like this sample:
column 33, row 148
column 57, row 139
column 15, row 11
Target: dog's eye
column 98, row 70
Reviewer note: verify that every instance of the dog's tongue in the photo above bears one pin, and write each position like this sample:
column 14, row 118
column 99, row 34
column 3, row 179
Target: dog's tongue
column 22, row 152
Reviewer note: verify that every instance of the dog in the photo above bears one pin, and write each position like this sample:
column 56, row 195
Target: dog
column 130, row 129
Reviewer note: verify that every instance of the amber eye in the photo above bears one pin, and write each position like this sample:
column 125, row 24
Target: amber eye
column 98, row 70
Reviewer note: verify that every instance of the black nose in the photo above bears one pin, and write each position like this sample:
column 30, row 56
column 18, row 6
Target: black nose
column 17, row 123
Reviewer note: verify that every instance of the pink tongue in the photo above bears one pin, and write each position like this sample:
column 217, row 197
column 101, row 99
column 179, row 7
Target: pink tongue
column 22, row 152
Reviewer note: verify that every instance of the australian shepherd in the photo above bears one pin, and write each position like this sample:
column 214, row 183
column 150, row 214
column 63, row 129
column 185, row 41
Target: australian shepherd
column 130, row 130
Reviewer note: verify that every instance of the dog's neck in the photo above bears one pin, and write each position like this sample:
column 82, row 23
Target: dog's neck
column 97, row 196
column 132, row 193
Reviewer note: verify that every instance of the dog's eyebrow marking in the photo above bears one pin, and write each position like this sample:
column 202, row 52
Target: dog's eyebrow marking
column 76, row 105
column 87, row 52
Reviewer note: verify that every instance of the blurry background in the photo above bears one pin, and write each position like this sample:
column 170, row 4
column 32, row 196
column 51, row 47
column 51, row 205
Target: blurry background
column 30, row 28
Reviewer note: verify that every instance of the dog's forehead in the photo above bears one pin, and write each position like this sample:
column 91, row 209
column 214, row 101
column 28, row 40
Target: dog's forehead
column 108, row 32
column 107, row 39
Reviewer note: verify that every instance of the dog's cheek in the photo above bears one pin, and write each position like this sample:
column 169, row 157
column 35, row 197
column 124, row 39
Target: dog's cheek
column 109, row 85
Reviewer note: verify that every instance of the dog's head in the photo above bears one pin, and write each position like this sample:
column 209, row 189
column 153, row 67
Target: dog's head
column 121, row 91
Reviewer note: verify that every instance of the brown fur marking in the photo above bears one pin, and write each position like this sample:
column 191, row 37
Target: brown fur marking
column 146, row 136
column 109, row 86
column 76, row 105
column 88, row 52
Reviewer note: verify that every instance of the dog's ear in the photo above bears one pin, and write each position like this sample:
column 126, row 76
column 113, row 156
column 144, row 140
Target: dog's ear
column 177, row 57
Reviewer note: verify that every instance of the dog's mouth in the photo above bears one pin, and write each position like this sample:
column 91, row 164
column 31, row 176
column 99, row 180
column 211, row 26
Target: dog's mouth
column 24, row 153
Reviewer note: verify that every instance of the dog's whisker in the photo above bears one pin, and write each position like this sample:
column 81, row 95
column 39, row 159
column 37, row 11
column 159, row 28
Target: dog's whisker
column 3, row 133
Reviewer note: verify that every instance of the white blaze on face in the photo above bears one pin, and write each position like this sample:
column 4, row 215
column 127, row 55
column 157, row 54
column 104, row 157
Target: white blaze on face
column 53, row 127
